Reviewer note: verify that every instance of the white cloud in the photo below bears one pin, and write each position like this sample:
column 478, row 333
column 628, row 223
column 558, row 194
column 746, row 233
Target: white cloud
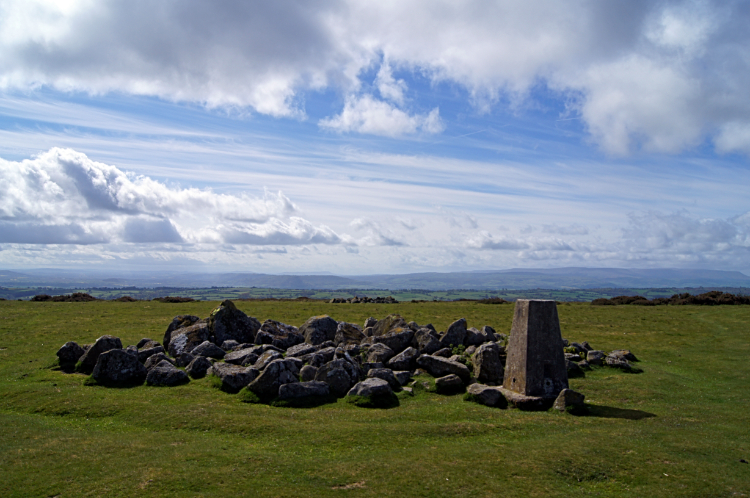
column 63, row 197
column 377, row 235
column 657, row 75
column 367, row 115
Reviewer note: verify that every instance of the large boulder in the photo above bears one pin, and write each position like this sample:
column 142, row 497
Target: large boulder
column 307, row 373
column 449, row 384
column 105, row 343
column 438, row 366
column 387, row 375
column 370, row 387
column 178, row 322
column 184, row 339
column 276, row 374
column 209, row 350
column 568, row 397
column 246, row 356
column 426, row 340
column 475, row 337
column 455, row 334
column 488, row 367
column 278, row 334
column 379, row 353
column 145, row 353
column 623, row 354
column 266, row 358
column 69, row 354
column 618, row 362
column 233, row 377
column 388, row 323
column 226, row 322
column 198, row 368
column 297, row 390
column 340, row 375
column 155, row 359
column 405, row 360
column 486, row 395
column 319, row 329
column 398, row 339
column 118, row 368
column 348, row 333
column 595, row 357
column 301, row 350
column 166, row 374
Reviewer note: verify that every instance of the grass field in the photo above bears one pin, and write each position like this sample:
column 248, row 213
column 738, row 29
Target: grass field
column 680, row 428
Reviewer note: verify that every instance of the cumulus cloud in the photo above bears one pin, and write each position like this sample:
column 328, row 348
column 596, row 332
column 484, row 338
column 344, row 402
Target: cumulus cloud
column 377, row 234
column 655, row 75
column 368, row 115
column 63, row 197
column 485, row 240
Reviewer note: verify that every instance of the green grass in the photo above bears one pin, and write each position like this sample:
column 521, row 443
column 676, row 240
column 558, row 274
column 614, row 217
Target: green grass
column 679, row 428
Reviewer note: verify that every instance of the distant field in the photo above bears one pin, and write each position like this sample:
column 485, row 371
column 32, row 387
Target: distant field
column 220, row 293
column 679, row 429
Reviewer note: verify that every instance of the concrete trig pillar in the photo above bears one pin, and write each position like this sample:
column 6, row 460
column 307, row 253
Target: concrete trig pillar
column 535, row 370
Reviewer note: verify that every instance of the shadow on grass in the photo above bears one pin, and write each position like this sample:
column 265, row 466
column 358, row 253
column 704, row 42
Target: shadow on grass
column 610, row 412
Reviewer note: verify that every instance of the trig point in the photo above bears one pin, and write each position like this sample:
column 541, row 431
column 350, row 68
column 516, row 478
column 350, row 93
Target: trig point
column 535, row 370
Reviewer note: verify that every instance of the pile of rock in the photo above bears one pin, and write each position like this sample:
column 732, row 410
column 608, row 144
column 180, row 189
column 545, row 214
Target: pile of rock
column 321, row 360
column 356, row 300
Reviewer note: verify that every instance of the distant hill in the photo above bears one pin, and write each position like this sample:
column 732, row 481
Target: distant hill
column 517, row 278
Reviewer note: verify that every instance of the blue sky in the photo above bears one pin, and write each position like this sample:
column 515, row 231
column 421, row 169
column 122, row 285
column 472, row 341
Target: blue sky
column 374, row 137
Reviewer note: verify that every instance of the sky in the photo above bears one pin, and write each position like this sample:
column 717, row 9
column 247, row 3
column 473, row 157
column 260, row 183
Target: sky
column 363, row 137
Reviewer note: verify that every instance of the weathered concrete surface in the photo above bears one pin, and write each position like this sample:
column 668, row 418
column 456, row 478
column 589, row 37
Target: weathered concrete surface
column 535, row 365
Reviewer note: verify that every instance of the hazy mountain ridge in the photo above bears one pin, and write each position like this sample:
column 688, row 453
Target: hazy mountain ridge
column 517, row 278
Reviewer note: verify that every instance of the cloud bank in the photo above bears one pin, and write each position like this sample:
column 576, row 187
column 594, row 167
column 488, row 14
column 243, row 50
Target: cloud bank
column 63, row 197
column 659, row 76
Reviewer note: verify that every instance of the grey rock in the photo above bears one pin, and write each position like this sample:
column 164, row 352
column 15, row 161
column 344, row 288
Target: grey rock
column 455, row 334
column 488, row 366
column 340, row 375
column 405, row 360
column 388, row 323
column 115, row 367
column 276, row 374
column 403, row 376
column 487, row 395
column 178, row 322
column 246, row 356
column 371, row 387
column 595, row 357
column 69, row 354
column 184, row 359
column 166, row 374
column 198, row 368
column 366, row 366
column 353, row 349
column 618, row 362
column 102, row 345
column 209, row 350
column 319, row 329
column 444, row 352
column 449, row 383
column 470, row 350
column 266, row 358
column 573, row 369
column 145, row 353
column 296, row 390
column 414, row 326
column 379, row 353
column 573, row 357
column 387, row 375
column 579, row 348
column 307, row 373
column 624, row 354
column 301, row 349
column 227, row 322
column 155, row 359
column 439, row 367
column 474, row 337
column 568, row 397
column 132, row 350
column 233, row 377
column 398, row 339
column 229, row 345
column 426, row 341
column 587, row 346
column 370, row 322
column 348, row 333
column 279, row 334
column 143, row 343
column 185, row 339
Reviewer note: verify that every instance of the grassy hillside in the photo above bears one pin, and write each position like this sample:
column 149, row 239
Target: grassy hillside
column 680, row 428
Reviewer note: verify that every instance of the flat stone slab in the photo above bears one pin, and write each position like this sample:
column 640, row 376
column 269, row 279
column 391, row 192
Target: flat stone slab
column 524, row 402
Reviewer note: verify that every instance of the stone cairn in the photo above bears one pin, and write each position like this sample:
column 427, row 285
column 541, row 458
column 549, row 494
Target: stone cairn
column 324, row 359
